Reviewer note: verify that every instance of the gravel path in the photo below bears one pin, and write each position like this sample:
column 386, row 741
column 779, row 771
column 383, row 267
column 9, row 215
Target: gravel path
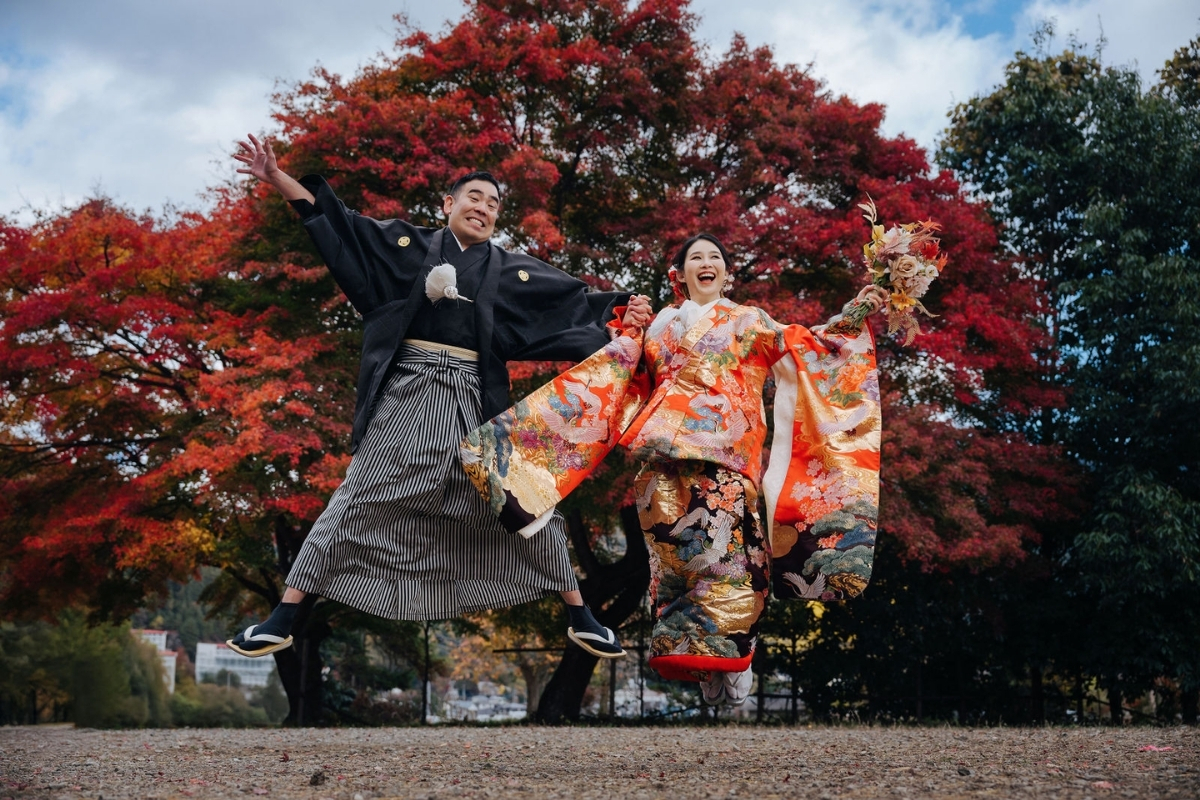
column 815, row 763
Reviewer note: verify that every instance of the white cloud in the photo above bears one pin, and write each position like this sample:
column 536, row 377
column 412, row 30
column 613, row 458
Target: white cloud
column 144, row 98
column 88, row 123
column 895, row 54
column 1145, row 33
column 917, row 57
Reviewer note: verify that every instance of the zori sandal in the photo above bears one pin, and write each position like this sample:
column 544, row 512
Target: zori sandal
column 267, row 643
column 600, row 646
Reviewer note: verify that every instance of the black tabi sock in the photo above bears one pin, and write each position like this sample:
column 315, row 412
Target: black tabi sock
column 582, row 620
column 280, row 621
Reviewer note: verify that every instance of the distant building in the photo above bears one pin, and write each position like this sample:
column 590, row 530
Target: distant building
column 486, row 706
column 634, row 703
column 159, row 640
column 156, row 638
column 212, row 658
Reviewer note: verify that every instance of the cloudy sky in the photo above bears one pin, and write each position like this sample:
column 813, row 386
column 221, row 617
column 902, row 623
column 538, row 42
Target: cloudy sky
column 142, row 99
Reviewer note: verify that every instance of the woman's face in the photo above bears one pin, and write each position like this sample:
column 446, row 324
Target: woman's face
column 704, row 272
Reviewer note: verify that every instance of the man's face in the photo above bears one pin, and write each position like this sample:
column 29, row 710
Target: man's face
column 472, row 215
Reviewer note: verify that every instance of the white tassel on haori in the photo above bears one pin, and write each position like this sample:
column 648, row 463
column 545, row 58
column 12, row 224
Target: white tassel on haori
column 442, row 284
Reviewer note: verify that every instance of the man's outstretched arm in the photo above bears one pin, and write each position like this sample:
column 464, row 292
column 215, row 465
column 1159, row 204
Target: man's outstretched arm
column 259, row 159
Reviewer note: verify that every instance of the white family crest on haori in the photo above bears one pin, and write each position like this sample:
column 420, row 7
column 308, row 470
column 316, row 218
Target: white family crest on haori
column 442, row 284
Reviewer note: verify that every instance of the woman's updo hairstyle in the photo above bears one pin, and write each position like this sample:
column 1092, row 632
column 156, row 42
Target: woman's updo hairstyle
column 675, row 272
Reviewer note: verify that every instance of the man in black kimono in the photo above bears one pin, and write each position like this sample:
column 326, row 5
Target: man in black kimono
column 406, row 536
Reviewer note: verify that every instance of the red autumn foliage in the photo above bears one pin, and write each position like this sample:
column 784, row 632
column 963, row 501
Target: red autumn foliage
column 153, row 415
column 174, row 392
column 964, row 496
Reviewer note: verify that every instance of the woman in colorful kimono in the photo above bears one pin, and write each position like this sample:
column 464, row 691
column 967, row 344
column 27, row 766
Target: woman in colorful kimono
column 686, row 398
column 701, row 436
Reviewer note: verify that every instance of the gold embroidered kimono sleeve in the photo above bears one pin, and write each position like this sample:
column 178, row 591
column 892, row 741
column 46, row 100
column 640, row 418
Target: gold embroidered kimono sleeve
column 821, row 484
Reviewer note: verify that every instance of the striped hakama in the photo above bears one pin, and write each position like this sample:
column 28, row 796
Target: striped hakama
column 406, row 535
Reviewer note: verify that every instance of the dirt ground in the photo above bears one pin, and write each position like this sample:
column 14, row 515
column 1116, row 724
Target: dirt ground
column 815, row 763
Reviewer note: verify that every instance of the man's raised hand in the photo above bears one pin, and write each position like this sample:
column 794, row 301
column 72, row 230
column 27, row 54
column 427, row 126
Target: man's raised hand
column 259, row 159
column 260, row 162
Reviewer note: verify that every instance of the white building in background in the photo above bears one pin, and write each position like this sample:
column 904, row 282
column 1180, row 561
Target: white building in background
column 156, row 638
column 486, row 706
column 167, row 657
column 212, row 658
column 632, row 703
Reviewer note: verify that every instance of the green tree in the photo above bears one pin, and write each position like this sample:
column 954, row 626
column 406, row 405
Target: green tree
column 97, row 676
column 1094, row 180
column 272, row 700
column 207, row 705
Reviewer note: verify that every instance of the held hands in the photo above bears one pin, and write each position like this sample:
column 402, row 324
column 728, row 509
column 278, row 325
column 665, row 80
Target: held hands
column 259, row 159
column 638, row 312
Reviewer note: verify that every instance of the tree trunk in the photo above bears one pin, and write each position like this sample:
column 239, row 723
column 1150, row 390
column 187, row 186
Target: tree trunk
column 536, row 675
column 962, row 695
column 1115, row 706
column 1189, row 699
column 920, row 694
column 1079, row 698
column 300, row 665
column 425, row 680
column 563, row 698
column 1037, row 696
column 614, row 593
column 794, row 671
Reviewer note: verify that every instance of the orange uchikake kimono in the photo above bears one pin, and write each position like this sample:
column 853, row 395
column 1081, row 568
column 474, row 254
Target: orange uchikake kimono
column 691, row 408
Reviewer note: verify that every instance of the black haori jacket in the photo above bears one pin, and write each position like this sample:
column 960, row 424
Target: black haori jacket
column 526, row 309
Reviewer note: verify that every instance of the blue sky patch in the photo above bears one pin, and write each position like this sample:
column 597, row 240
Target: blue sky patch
column 983, row 17
column 17, row 64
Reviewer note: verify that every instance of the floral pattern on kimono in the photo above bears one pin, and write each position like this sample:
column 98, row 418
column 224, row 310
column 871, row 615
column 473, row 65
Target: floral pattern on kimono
column 708, row 559
column 821, row 487
column 527, row 459
column 822, row 483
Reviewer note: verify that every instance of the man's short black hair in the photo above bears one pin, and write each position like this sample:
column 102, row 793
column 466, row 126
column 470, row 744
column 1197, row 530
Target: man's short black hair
column 477, row 175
